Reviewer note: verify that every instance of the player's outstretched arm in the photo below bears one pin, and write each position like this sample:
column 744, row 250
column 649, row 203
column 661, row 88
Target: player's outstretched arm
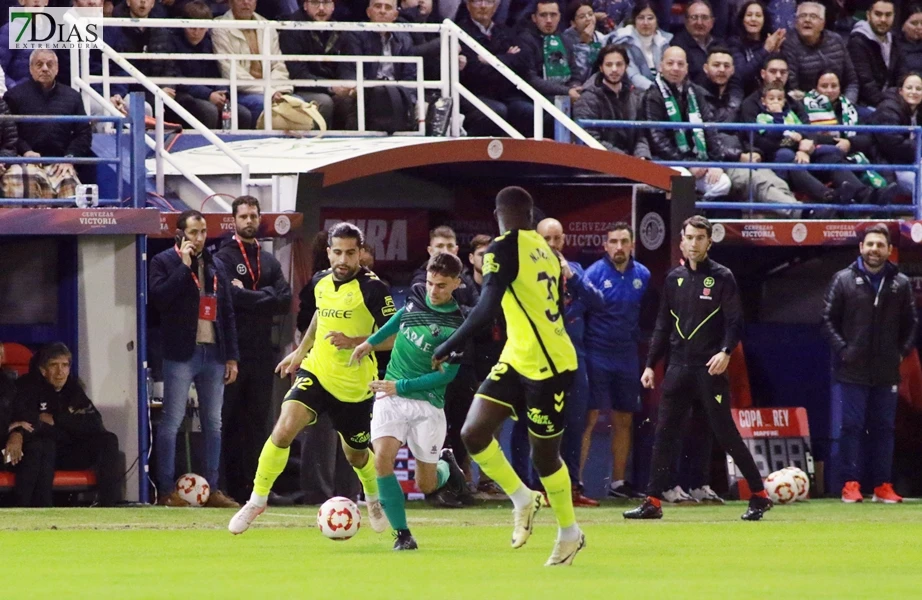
column 383, row 339
column 291, row 362
column 488, row 306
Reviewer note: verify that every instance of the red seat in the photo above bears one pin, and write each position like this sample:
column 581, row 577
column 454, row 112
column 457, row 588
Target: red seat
column 64, row 481
column 16, row 357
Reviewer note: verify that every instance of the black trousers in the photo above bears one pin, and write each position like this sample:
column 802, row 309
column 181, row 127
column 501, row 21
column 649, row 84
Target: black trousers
column 683, row 388
column 35, row 473
column 97, row 451
column 245, row 425
column 459, row 395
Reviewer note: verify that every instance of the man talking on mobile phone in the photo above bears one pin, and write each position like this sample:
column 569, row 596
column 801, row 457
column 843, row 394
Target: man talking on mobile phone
column 199, row 342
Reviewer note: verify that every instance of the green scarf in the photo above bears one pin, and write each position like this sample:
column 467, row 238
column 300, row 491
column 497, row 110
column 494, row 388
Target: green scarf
column 790, row 118
column 556, row 63
column 675, row 115
column 821, row 112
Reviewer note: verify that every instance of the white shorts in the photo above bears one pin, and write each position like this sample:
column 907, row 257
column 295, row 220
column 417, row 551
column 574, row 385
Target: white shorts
column 414, row 422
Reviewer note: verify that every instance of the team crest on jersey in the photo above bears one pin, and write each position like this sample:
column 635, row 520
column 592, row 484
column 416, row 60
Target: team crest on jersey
column 435, row 330
column 241, row 269
column 708, row 282
column 638, row 284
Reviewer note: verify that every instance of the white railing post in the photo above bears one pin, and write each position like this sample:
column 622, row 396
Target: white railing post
column 158, row 140
column 444, row 77
column 360, row 92
column 455, row 74
column 106, row 88
column 538, row 121
column 232, row 97
column 267, row 77
column 420, row 98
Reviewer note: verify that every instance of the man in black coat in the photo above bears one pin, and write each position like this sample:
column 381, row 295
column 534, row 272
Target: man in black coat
column 870, row 322
column 43, row 95
column 876, row 56
column 199, row 343
column 54, row 418
column 259, row 292
column 608, row 95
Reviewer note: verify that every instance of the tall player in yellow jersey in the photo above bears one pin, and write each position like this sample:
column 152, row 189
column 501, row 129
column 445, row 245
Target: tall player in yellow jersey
column 352, row 303
column 533, row 375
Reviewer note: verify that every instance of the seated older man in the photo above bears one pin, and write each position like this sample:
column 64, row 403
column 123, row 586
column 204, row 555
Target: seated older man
column 42, row 95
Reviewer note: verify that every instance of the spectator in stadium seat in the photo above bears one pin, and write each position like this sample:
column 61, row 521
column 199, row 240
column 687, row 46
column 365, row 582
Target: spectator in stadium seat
column 487, row 83
column 841, row 15
column 645, row 43
column 199, row 340
column 612, row 14
column 427, row 45
column 697, row 38
column 764, row 184
column 260, row 293
column 877, row 59
column 675, row 98
column 814, row 49
column 15, row 63
column 870, row 321
column 81, row 439
column 900, row 107
column 205, row 102
column 250, row 72
column 30, row 449
column 608, row 95
column 552, row 62
column 583, row 37
column 42, row 95
column 774, row 70
column 753, row 43
column 337, row 103
column 909, row 40
column 400, row 102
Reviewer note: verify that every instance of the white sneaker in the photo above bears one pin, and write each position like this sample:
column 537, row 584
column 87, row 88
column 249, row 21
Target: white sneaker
column 524, row 520
column 678, row 496
column 565, row 552
column 706, row 495
column 241, row 521
column 376, row 516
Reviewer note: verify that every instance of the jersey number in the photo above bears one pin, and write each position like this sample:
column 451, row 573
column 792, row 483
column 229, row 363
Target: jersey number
column 498, row 370
column 551, row 282
column 302, row 383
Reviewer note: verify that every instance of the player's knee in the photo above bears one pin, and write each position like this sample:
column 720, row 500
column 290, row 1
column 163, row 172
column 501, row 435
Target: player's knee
column 356, row 458
column 427, row 484
column 475, row 441
column 384, row 465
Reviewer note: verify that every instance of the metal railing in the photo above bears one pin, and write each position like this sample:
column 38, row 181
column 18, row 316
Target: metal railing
column 753, row 128
column 120, row 123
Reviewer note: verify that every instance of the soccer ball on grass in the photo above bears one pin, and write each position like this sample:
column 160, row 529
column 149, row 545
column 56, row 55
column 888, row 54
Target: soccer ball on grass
column 802, row 481
column 781, row 487
column 339, row 518
column 193, row 489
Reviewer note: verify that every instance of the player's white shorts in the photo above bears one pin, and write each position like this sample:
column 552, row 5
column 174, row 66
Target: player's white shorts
column 415, row 422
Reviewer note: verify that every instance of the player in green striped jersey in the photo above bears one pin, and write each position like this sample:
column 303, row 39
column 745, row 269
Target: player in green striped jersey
column 410, row 400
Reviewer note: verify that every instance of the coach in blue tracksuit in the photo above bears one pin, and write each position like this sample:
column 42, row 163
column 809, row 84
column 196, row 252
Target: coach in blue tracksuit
column 612, row 335
column 581, row 297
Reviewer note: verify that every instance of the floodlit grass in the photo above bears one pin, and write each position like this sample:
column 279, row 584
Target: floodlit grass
column 816, row 549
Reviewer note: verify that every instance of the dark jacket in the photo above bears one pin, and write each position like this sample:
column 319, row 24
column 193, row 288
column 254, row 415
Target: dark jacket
column 73, row 412
column 7, row 400
column 895, row 148
column 370, row 43
column 175, row 295
column 255, row 309
column 805, row 63
column 532, row 42
column 427, row 45
column 748, row 58
column 52, row 138
column 332, row 43
column 662, row 141
column 697, row 320
column 482, row 79
column 874, row 76
column 467, row 293
column 9, row 135
column 153, row 40
column 910, row 55
column 725, row 107
column 15, row 63
column 870, row 329
column 204, row 67
column 598, row 101
column 765, row 143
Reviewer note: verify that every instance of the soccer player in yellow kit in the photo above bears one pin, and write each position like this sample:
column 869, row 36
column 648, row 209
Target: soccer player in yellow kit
column 352, row 303
column 533, row 375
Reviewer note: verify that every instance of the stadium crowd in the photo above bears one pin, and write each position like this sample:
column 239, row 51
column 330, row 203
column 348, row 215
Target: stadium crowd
column 743, row 62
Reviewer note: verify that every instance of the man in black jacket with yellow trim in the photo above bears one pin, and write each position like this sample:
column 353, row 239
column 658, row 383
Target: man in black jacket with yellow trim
column 701, row 320
column 870, row 322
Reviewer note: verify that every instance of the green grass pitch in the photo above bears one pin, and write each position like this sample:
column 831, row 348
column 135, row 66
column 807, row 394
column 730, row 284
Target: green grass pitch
column 819, row 549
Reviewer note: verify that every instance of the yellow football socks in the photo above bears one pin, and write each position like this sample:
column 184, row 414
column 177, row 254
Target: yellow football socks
column 368, row 477
column 272, row 461
column 493, row 462
column 560, row 496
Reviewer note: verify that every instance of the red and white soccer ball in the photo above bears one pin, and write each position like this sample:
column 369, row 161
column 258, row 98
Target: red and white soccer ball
column 802, row 481
column 339, row 518
column 781, row 487
column 193, row 489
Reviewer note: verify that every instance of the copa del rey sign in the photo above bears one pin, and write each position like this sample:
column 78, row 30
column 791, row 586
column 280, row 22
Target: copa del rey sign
column 397, row 236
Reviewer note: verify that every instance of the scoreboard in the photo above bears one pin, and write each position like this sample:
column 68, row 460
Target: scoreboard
column 777, row 438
